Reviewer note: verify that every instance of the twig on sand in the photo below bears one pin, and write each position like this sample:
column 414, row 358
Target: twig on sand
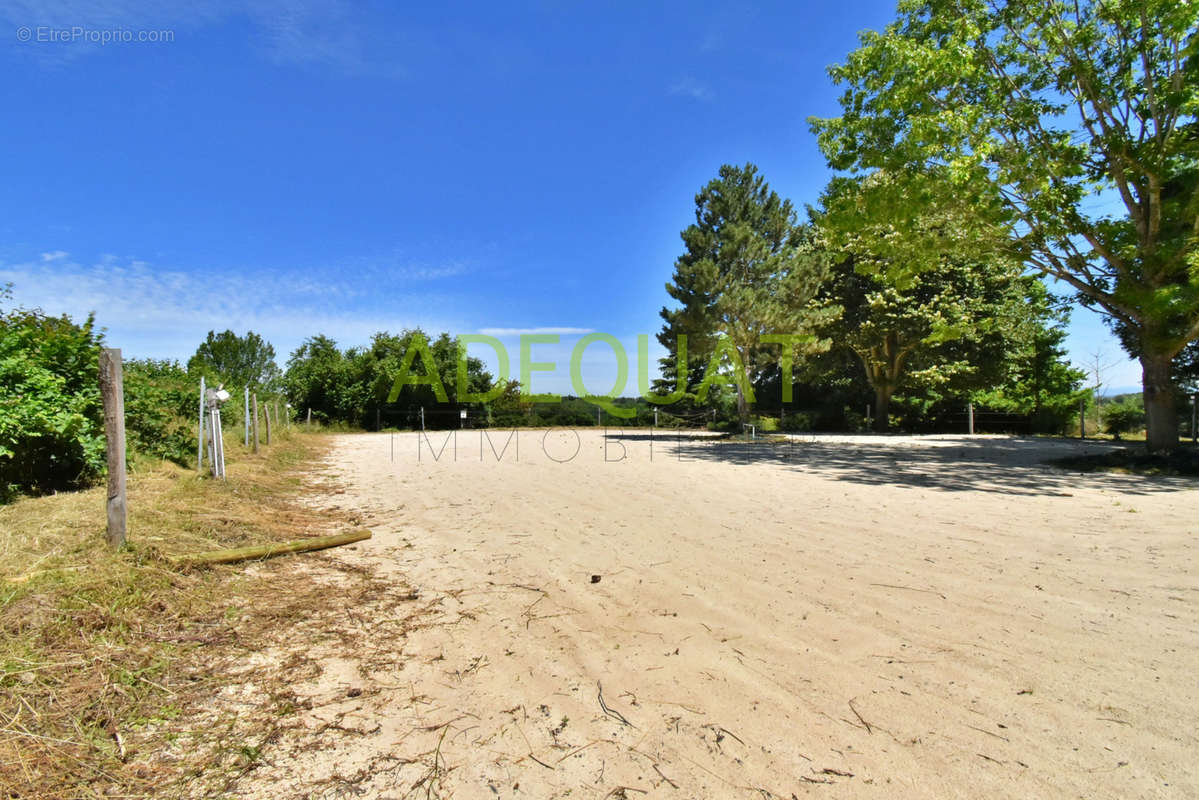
column 673, row 785
column 529, row 745
column 524, row 586
column 680, row 705
column 431, row 780
column 865, row 724
column 528, row 612
column 724, row 730
column 616, row 715
column 988, row 733
column 578, row 750
column 909, row 589
column 824, row 775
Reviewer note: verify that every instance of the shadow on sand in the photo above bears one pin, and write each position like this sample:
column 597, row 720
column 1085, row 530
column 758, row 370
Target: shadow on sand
column 1005, row 465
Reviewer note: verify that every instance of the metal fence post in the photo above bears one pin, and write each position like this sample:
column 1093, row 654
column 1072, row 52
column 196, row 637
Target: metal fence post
column 200, row 434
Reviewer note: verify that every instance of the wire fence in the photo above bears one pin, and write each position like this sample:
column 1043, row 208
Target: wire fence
column 791, row 420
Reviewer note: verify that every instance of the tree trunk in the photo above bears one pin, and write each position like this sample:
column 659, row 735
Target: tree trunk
column 742, row 407
column 882, row 406
column 1161, row 416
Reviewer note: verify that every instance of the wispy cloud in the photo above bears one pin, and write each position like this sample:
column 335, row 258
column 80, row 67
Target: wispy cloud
column 430, row 272
column 151, row 310
column 160, row 312
column 562, row 331
column 331, row 34
column 691, row 87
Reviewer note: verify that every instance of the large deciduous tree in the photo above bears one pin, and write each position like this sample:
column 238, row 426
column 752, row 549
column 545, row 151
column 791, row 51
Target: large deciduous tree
column 237, row 360
column 926, row 293
column 948, row 327
column 747, row 271
column 1070, row 110
column 317, row 379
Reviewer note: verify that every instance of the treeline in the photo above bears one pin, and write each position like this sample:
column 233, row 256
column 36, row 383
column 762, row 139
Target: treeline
column 51, row 423
column 780, row 323
column 355, row 387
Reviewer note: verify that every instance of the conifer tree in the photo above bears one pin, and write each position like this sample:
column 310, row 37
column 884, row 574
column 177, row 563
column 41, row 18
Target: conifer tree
column 748, row 271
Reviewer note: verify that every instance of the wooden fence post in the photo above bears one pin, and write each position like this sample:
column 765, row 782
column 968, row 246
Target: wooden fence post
column 254, row 402
column 266, row 416
column 113, row 395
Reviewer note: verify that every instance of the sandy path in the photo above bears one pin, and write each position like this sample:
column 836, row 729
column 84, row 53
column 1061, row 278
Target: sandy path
column 837, row 617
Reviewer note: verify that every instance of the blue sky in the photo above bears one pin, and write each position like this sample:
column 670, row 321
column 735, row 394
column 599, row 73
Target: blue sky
column 325, row 167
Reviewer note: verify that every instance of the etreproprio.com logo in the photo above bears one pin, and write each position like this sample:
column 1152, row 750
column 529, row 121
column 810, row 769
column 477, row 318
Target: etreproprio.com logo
column 82, row 34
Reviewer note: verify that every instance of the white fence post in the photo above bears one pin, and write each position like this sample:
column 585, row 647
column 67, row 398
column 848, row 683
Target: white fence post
column 200, row 448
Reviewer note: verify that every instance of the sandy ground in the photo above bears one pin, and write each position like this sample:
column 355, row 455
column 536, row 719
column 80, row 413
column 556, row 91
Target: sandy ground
column 834, row 617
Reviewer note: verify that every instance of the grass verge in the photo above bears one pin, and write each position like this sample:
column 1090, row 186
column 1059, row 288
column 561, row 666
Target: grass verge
column 110, row 662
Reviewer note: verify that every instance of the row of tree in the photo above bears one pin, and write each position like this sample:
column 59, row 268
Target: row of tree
column 377, row 386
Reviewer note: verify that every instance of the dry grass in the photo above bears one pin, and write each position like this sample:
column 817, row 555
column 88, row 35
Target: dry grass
column 110, row 663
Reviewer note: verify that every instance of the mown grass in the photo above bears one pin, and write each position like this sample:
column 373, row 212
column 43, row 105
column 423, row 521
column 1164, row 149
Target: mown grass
column 109, row 660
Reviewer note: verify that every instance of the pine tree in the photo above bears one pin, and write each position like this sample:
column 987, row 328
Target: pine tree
column 748, row 270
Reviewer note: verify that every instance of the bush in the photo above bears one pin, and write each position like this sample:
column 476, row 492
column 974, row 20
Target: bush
column 796, row 421
column 161, row 404
column 1125, row 416
column 51, row 431
column 854, row 421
